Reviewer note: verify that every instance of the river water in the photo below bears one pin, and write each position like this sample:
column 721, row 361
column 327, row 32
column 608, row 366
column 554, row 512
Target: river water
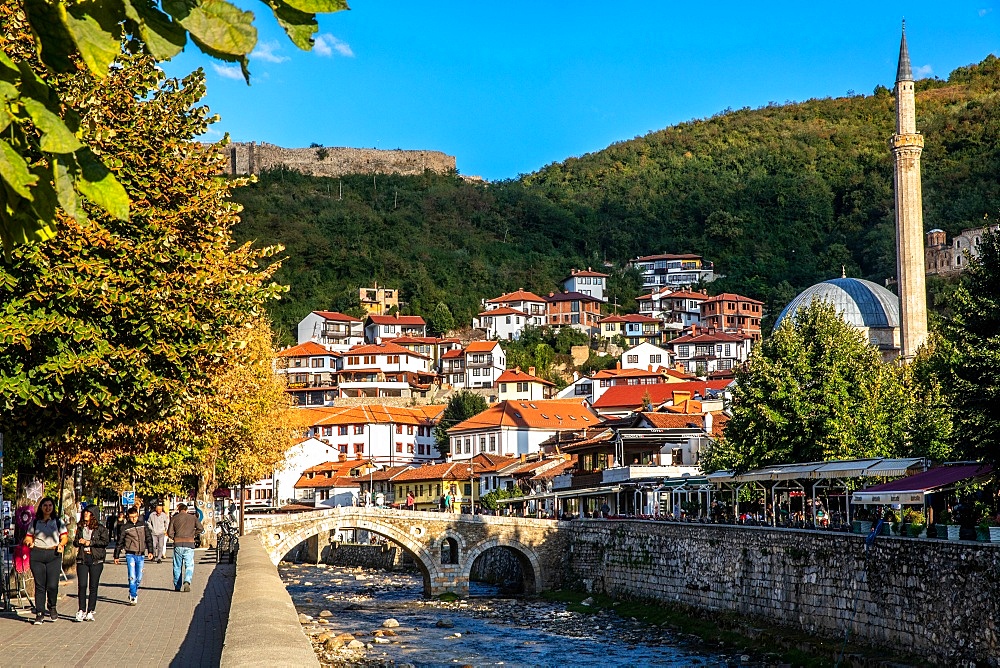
column 482, row 630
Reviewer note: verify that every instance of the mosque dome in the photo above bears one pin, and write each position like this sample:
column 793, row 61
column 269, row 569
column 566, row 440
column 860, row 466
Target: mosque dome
column 860, row 303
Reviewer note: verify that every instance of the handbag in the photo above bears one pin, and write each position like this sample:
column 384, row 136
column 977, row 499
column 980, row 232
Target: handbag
column 197, row 539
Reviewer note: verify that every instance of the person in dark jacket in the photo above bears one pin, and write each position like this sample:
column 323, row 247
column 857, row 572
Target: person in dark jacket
column 136, row 540
column 184, row 529
column 91, row 542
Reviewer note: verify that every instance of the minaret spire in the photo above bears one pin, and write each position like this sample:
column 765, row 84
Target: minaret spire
column 903, row 71
column 907, row 145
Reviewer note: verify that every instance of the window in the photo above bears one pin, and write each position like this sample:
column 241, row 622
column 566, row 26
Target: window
column 729, row 349
column 399, row 447
column 584, row 389
column 508, row 320
column 359, row 429
column 324, row 494
column 632, row 359
column 655, row 359
column 683, row 351
column 409, row 429
column 522, row 387
column 359, row 448
column 328, row 431
column 482, row 444
column 468, row 446
column 475, row 372
column 409, row 448
column 493, row 443
column 575, row 319
column 420, row 448
column 387, row 329
column 342, row 430
column 503, row 388
column 317, row 363
column 399, row 429
column 342, row 448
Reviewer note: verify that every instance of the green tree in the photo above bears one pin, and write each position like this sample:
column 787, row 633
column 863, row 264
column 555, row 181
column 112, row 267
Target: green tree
column 971, row 355
column 43, row 164
column 814, row 391
column 440, row 320
column 489, row 500
column 115, row 321
column 462, row 405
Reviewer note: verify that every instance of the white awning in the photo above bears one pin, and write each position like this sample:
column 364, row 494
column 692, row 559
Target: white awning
column 853, row 468
column 891, row 468
column 887, row 498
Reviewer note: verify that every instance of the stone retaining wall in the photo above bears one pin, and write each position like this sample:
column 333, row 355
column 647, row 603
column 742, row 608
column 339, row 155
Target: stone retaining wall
column 368, row 556
column 263, row 628
column 940, row 599
column 254, row 158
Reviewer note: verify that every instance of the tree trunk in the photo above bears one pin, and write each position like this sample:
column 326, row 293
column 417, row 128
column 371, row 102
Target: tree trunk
column 70, row 513
column 206, row 504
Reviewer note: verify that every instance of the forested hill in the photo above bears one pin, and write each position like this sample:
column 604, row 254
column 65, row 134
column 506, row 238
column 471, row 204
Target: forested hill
column 779, row 198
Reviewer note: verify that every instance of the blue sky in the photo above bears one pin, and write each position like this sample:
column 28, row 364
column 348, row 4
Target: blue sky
column 510, row 87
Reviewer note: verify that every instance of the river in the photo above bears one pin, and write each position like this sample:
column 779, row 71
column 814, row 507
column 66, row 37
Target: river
column 483, row 630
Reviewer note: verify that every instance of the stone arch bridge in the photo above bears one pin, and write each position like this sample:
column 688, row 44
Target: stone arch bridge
column 444, row 546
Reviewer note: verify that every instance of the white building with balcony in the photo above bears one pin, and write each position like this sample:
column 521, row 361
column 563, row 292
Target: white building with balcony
column 333, row 330
column 384, row 370
column 311, row 373
column 587, row 282
column 673, row 270
column 484, row 362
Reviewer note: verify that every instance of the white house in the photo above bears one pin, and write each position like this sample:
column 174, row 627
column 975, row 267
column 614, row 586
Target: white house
column 385, row 435
column 676, row 309
column 384, row 370
column 514, row 428
column 484, row 362
column 505, row 323
column 453, row 368
column 310, row 373
column 516, row 384
column 646, row 357
column 521, row 300
column 587, row 282
column 704, row 352
column 334, row 330
column 278, row 489
column 379, row 328
column 673, row 270
column 334, row 483
column 633, row 327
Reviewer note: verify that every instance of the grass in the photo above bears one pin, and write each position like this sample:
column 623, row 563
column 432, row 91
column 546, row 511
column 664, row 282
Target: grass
column 727, row 629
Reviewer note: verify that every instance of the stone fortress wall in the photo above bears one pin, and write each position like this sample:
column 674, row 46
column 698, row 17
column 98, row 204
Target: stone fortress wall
column 255, row 157
column 935, row 598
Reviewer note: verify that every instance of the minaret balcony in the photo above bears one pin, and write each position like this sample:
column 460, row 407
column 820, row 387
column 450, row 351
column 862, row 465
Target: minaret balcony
column 914, row 140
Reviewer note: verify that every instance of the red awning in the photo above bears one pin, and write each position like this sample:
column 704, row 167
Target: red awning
column 911, row 489
column 222, row 493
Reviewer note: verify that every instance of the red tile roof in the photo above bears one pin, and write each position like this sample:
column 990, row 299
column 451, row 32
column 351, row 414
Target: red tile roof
column 570, row 296
column 378, row 414
column 339, row 474
column 428, row 340
column 454, row 352
column 487, row 463
column 445, row 471
column 630, row 317
column 518, row 376
column 555, row 414
column 338, row 317
column 503, row 310
column 386, row 348
column 387, row 473
column 584, row 272
column 307, row 349
column 397, row 319
column 516, row 296
column 481, row 346
column 630, row 396
column 668, row 256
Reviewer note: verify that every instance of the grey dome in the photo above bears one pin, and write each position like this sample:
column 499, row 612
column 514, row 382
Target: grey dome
column 860, row 303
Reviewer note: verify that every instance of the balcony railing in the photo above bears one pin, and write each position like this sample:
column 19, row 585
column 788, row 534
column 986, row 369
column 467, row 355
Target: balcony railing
column 488, row 361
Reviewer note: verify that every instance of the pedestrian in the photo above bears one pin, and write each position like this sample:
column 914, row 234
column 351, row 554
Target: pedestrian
column 447, row 502
column 409, row 501
column 91, row 542
column 47, row 537
column 158, row 521
column 136, row 541
column 119, row 523
column 184, row 528
column 605, row 510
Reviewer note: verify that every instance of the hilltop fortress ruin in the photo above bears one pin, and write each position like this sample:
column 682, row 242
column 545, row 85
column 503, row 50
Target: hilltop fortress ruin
column 256, row 157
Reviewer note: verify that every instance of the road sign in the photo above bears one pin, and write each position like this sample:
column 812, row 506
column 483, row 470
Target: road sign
column 128, row 499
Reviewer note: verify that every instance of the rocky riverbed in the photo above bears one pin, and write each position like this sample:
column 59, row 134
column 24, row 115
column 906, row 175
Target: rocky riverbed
column 359, row 617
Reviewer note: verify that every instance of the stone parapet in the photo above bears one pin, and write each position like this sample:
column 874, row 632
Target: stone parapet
column 254, row 158
column 263, row 628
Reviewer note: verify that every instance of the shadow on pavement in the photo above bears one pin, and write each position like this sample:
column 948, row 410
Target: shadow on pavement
column 202, row 645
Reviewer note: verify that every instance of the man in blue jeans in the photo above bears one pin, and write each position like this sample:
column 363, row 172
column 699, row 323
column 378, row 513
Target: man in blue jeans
column 136, row 541
column 183, row 529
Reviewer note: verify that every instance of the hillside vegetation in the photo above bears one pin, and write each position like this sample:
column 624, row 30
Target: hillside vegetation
column 778, row 197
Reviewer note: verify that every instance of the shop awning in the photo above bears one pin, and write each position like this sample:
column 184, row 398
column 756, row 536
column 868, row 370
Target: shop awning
column 913, row 489
column 892, row 468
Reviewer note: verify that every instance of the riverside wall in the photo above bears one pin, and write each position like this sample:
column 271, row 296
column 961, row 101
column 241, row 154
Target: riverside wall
column 254, row 158
column 939, row 599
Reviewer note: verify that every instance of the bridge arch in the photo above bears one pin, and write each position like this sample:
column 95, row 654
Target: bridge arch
column 531, row 568
column 416, row 544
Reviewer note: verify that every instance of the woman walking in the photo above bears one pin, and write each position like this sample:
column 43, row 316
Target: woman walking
column 46, row 537
column 91, row 542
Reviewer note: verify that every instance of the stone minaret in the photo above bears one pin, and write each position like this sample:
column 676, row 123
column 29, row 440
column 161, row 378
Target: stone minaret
column 907, row 145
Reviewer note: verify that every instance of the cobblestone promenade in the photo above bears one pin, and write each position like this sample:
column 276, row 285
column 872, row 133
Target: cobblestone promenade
column 167, row 628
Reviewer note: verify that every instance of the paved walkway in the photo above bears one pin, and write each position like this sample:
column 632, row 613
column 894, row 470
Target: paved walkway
column 167, row 628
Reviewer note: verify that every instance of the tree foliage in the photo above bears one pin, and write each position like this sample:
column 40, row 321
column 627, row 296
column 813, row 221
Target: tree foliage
column 968, row 362
column 44, row 165
column 116, row 321
column 462, row 405
column 814, row 391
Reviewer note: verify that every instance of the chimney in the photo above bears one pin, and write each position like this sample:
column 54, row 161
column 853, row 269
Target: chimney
column 523, row 457
column 694, row 329
column 618, row 364
column 531, row 371
column 342, row 457
column 708, row 422
column 552, row 294
column 649, row 367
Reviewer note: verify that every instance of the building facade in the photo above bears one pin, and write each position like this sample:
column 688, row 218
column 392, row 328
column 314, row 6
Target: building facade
column 334, row 330
column 587, row 282
column 733, row 314
column 673, row 271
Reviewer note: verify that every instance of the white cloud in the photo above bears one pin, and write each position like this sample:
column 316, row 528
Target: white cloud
column 326, row 45
column 228, row 71
column 985, row 11
column 923, row 71
column 268, row 52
